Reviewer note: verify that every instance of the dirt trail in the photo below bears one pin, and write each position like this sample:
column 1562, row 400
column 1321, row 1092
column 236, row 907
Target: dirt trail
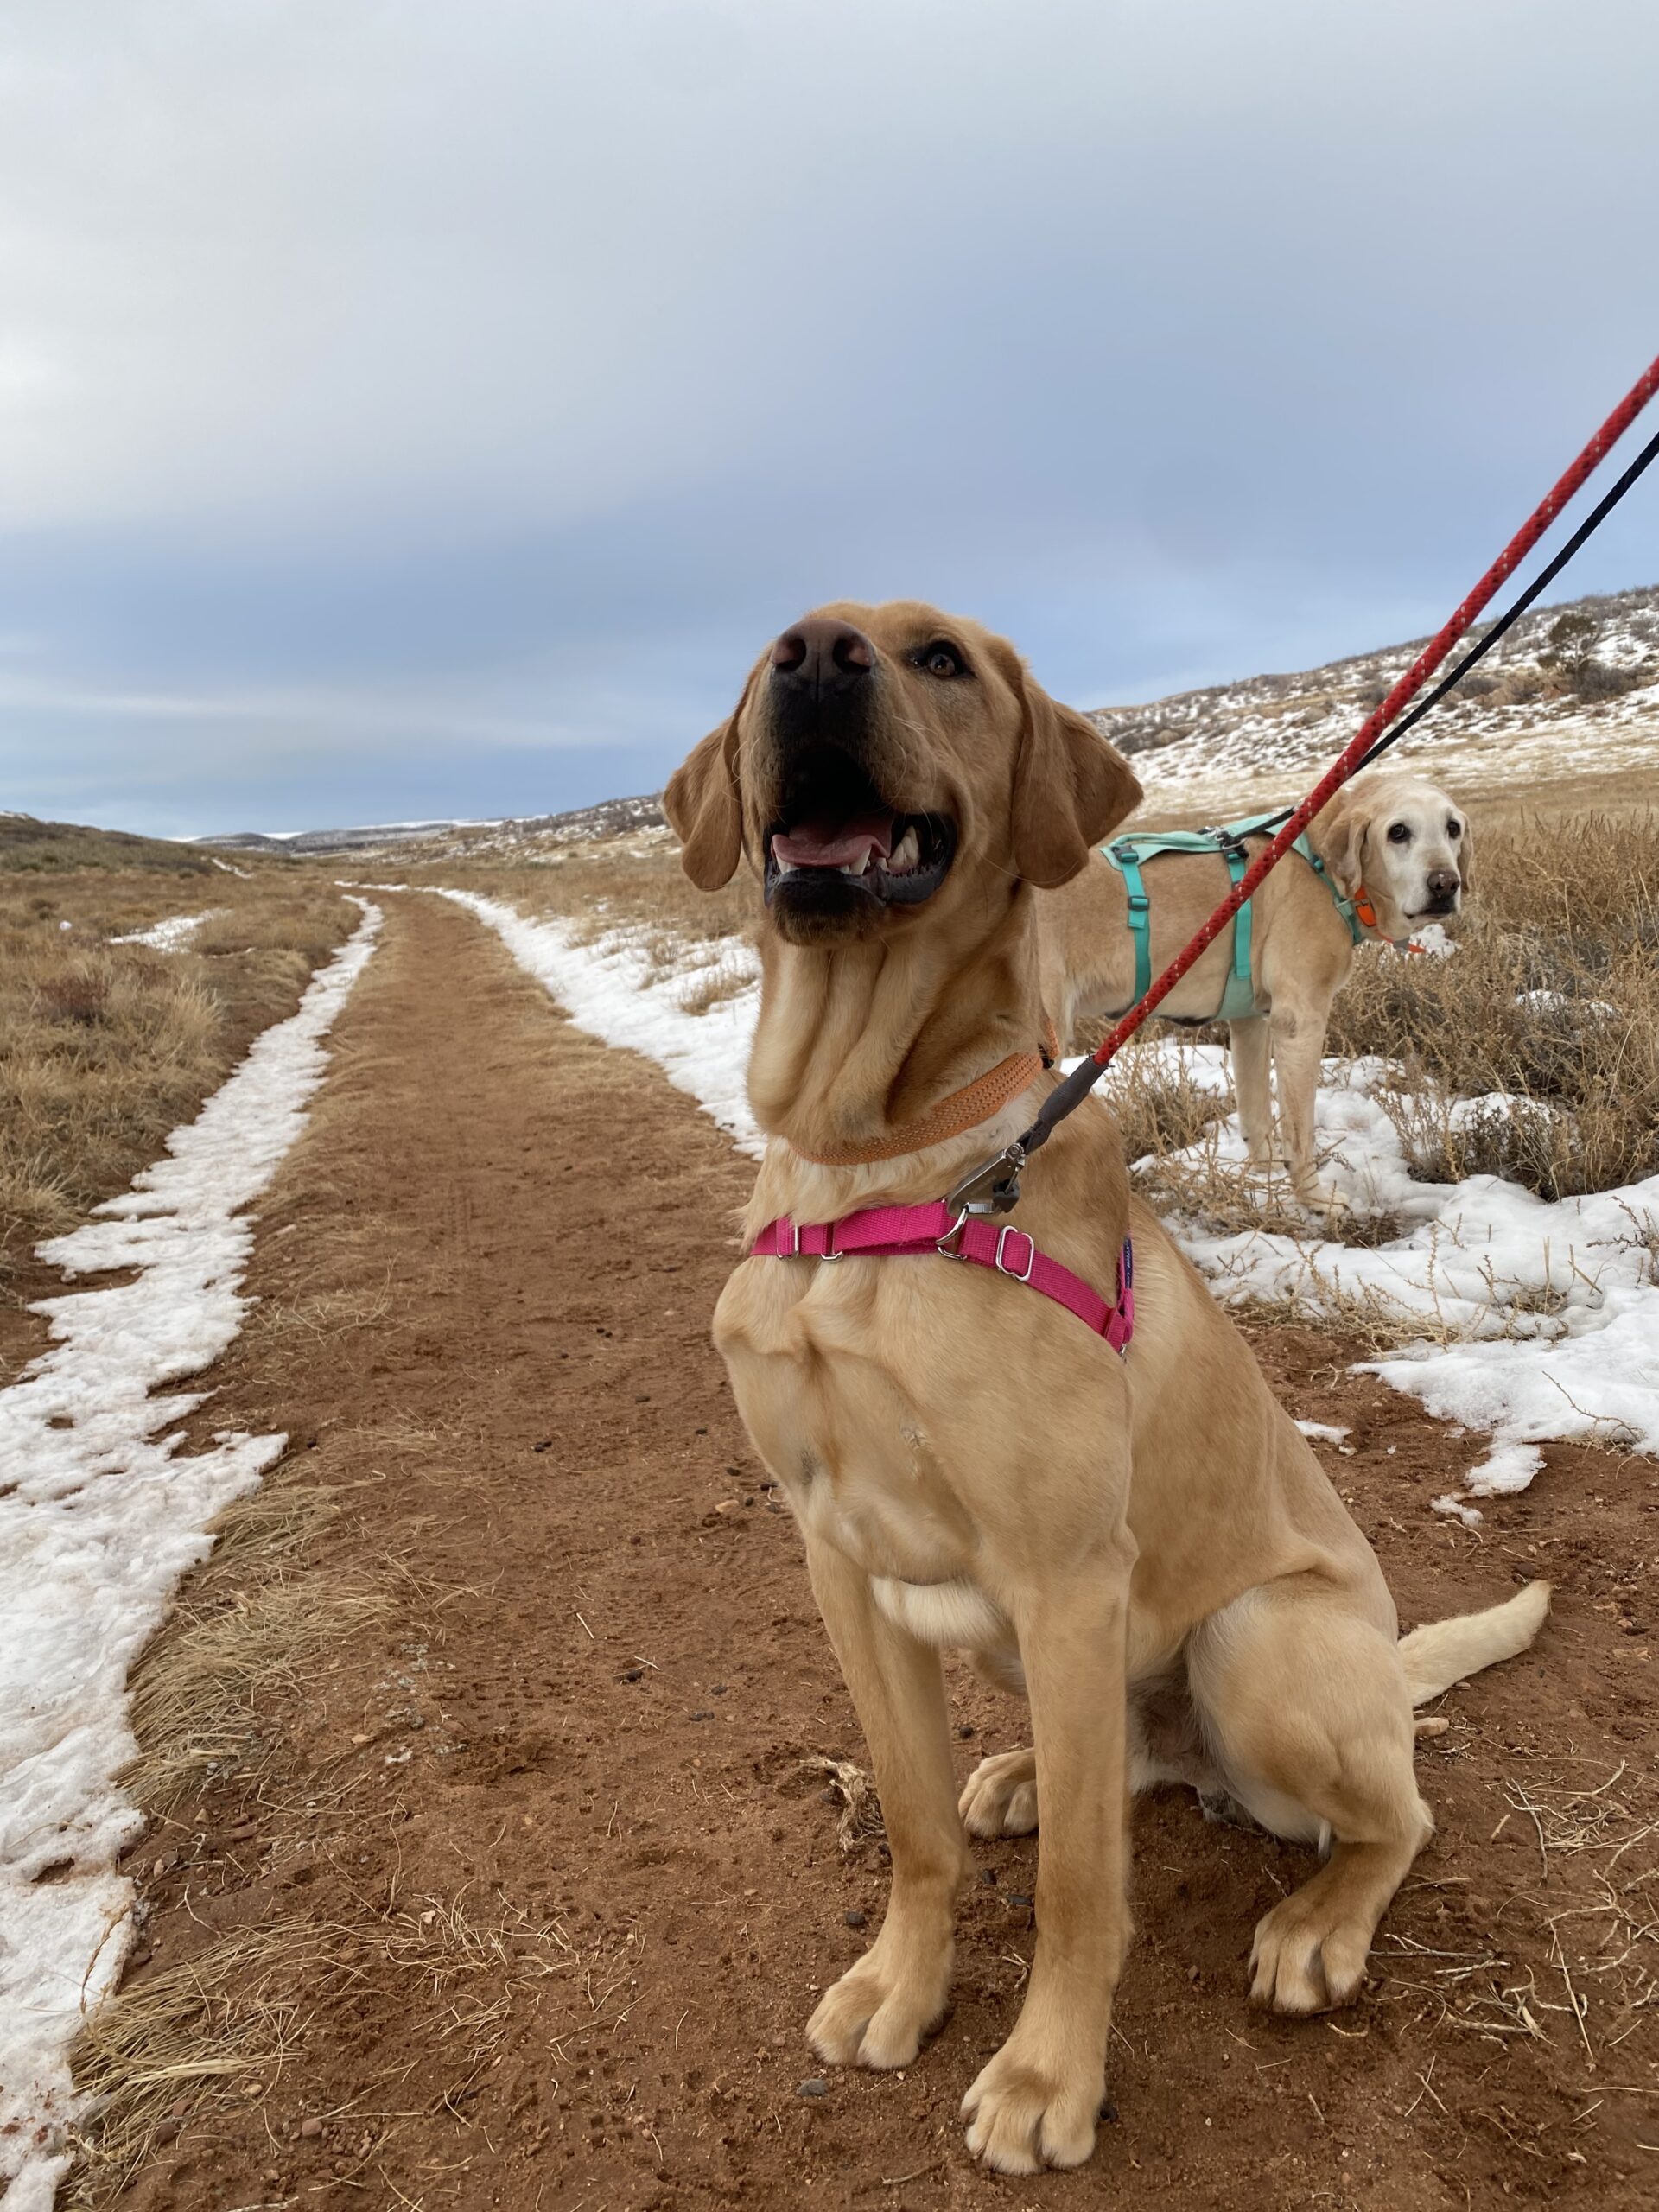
column 555, row 1806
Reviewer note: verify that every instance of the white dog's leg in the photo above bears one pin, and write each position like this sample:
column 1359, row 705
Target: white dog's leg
column 1248, row 1042
column 1298, row 1048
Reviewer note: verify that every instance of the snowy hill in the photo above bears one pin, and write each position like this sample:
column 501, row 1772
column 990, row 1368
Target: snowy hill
column 612, row 818
column 1573, row 690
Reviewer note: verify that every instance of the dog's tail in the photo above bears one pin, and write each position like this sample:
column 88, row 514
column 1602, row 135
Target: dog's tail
column 1446, row 1651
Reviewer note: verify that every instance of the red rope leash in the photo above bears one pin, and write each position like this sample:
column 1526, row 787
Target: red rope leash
column 995, row 1187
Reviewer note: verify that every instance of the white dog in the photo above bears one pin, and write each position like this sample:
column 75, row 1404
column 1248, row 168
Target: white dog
column 1389, row 852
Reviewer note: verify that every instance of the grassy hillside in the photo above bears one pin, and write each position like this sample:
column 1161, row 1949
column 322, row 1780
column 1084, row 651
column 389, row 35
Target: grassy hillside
column 28, row 847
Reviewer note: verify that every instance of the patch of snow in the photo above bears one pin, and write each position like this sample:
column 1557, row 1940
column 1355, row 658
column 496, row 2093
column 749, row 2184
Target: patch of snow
column 1507, row 1467
column 1562, row 1002
column 1432, row 939
column 1322, row 1432
column 1455, row 1509
column 614, row 990
column 170, row 936
column 101, row 1512
column 1540, row 1321
column 246, row 874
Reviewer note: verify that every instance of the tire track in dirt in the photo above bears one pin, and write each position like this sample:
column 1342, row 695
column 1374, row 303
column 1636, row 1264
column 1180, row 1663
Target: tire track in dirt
column 554, row 1809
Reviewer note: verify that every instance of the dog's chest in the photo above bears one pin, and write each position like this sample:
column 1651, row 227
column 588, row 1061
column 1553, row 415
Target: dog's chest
column 847, row 1432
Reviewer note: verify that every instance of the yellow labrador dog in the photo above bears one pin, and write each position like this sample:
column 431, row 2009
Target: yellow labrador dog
column 1142, row 1542
column 1398, row 846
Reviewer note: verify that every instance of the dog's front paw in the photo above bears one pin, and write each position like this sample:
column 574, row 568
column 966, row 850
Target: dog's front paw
column 1001, row 1798
column 879, row 2014
column 1031, row 2108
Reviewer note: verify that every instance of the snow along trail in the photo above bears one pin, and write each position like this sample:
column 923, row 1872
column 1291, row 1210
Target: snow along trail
column 614, row 990
column 1545, row 1316
column 100, row 1515
column 1553, row 1311
column 170, row 936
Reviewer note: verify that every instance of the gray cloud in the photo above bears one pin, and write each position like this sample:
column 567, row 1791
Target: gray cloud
column 409, row 408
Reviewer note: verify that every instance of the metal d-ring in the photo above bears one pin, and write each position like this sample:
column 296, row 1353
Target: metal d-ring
column 944, row 1248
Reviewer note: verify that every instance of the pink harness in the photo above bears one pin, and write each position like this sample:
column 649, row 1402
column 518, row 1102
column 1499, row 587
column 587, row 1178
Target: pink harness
column 897, row 1232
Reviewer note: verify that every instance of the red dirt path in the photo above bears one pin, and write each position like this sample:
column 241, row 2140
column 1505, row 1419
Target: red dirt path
column 486, row 1274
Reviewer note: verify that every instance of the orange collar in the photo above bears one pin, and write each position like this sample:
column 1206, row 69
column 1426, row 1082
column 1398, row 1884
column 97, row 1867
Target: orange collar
column 963, row 1109
column 1366, row 914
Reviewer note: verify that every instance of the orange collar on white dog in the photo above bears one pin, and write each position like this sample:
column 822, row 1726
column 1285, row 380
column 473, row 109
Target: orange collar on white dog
column 1366, row 914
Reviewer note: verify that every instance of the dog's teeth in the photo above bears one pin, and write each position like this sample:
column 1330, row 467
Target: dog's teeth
column 906, row 853
column 857, row 868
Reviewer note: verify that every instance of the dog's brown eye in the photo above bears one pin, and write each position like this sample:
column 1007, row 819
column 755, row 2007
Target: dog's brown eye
column 942, row 660
column 1454, row 829
column 1398, row 834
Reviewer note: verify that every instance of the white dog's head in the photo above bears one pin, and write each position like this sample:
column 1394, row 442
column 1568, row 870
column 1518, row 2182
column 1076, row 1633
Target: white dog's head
column 1402, row 841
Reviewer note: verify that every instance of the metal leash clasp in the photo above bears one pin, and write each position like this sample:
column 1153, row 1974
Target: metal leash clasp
column 992, row 1189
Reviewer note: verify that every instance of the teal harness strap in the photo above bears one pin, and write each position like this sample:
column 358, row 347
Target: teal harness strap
column 1127, row 855
column 1238, row 999
column 1345, row 906
column 1126, row 860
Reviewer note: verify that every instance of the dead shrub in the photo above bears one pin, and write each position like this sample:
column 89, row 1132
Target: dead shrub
column 82, row 994
column 1158, row 1108
column 1551, row 1000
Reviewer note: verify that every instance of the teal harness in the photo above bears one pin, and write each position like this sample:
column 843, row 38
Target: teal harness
column 1128, row 855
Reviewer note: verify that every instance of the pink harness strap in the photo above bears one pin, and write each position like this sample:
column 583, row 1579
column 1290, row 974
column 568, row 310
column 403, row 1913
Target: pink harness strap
column 898, row 1232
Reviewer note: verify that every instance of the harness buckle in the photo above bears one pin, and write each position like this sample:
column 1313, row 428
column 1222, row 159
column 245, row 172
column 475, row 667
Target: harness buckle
column 1002, row 1236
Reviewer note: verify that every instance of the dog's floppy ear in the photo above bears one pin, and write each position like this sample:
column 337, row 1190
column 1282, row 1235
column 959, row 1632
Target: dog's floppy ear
column 1342, row 841
column 1466, row 853
column 705, row 808
column 1070, row 789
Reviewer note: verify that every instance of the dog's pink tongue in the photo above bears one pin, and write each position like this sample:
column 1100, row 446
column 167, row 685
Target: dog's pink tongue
column 815, row 844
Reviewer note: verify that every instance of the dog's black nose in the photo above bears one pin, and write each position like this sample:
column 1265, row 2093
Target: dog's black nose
column 821, row 657
column 1444, row 882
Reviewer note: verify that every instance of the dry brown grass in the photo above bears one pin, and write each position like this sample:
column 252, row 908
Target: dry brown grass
column 1552, row 998
column 1158, row 1108
column 103, row 1048
column 234, row 1645
column 159, row 2060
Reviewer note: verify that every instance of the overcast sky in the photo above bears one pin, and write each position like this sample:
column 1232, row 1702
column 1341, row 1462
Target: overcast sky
column 428, row 407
